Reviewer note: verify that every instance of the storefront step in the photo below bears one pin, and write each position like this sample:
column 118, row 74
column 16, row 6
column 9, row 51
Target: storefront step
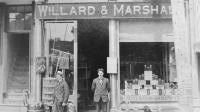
column 12, row 108
column 14, row 101
column 13, row 95
column 155, row 107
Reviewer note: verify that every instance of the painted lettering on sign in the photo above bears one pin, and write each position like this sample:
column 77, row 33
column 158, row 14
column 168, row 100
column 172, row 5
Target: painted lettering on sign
column 123, row 10
column 45, row 11
column 103, row 10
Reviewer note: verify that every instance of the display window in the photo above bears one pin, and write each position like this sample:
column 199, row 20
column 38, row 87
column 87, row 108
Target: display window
column 147, row 72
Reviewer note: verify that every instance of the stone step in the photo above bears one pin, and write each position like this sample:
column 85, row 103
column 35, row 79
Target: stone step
column 12, row 108
column 17, row 101
column 15, row 95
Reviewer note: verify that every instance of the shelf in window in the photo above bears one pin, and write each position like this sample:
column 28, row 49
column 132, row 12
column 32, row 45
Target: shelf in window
column 82, row 67
column 48, row 86
column 49, row 99
column 48, row 92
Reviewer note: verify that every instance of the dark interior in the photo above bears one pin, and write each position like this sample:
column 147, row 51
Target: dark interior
column 18, row 62
column 93, row 50
column 135, row 56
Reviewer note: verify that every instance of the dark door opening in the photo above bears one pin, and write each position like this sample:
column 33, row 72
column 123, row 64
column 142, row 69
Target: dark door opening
column 17, row 67
column 93, row 50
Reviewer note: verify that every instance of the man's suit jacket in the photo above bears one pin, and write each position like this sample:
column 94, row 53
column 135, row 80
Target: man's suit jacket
column 61, row 92
column 101, row 90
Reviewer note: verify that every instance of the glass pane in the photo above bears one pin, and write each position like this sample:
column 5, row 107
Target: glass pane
column 28, row 18
column 147, row 72
column 23, row 16
column 28, row 9
column 20, row 9
column 61, row 50
column 19, row 15
column 19, row 24
column 12, row 9
column 12, row 15
column 12, row 24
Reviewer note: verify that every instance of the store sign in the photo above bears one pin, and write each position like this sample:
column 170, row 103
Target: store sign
column 112, row 65
column 103, row 10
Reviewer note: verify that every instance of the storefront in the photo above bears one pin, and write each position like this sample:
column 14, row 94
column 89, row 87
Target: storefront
column 141, row 38
column 135, row 42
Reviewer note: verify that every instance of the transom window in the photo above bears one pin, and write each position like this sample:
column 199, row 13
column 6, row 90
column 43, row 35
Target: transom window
column 19, row 17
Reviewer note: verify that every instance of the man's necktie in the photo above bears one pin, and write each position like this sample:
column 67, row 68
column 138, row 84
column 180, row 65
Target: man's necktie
column 101, row 81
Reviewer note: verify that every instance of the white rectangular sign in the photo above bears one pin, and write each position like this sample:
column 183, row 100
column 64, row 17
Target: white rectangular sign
column 111, row 65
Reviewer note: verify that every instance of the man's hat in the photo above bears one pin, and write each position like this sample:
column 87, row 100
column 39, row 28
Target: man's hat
column 60, row 73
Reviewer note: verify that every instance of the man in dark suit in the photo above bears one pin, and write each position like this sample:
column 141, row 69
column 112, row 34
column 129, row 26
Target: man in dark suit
column 61, row 93
column 101, row 87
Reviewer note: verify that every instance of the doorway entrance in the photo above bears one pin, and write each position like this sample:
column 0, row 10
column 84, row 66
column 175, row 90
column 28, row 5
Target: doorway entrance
column 17, row 68
column 93, row 49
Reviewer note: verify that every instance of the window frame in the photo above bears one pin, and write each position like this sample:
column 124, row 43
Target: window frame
column 15, row 29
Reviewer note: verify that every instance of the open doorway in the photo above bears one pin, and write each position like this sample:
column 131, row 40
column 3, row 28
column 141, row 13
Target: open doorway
column 93, row 49
column 17, row 68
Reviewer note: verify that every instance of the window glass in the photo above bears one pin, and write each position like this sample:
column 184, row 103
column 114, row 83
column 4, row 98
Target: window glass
column 19, row 18
column 147, row 72
column 61, row 50
column 28, row 9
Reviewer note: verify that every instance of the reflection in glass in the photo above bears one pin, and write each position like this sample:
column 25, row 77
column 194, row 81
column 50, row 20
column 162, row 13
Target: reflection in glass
column 148, row 72
column 22, row 16
column 61, row 50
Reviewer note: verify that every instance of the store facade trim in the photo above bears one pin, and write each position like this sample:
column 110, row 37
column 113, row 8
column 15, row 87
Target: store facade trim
column 149, row 39
column 103, row 10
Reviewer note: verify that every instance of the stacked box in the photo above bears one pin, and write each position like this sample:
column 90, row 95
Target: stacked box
column 154, row 82
column 154, row 92
column 135, row 86
column 142, row 92
column 148, row 75
column 168, row 91
column 147, row 87
column 128, row 85
column 128, row 92
column 160, row 87
column 141, row 82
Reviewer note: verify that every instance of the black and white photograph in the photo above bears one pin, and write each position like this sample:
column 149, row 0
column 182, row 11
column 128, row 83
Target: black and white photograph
column 99, row 55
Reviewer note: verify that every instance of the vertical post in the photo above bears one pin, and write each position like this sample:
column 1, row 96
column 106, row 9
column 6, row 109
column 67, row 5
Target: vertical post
column 194, row 32
column 113, row 53
column 37, row 46
column 194, row 12
column 182, row 50
column 2, row 51
column 37, row 52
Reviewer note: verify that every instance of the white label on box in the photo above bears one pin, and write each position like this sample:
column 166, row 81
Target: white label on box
column 154, row 82
column 135, row 87
column 141, row 82
column 160, row 87
column 147, row 86
column 142, row 92
column 153, row 92
column 148, row 75
column 168, row 91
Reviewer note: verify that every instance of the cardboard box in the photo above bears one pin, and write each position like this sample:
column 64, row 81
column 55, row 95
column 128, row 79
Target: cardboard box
column 153, row 92
column 141, row 82
column 154, row 82
column 142, row 92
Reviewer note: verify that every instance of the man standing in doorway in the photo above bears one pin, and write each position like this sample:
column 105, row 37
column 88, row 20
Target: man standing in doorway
column 101, row 87
column 61, row 93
